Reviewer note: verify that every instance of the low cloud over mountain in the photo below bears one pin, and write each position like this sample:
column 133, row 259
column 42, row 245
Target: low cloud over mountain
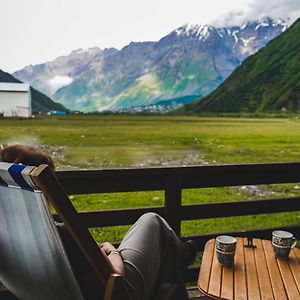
column 257, row 9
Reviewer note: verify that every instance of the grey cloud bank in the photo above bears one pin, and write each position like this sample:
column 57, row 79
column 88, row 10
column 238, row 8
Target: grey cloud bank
column 258, row 9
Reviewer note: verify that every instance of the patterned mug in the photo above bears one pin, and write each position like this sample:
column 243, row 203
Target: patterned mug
column 282, row 242
column 225, row 248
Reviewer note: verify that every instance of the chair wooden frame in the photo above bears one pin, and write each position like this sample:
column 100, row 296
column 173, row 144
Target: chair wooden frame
column 112, row 284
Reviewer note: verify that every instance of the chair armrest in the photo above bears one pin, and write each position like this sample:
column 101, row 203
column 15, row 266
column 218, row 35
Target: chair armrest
column 115, row 288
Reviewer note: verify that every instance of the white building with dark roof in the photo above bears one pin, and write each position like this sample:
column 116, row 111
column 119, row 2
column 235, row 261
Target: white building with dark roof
column 15, row 99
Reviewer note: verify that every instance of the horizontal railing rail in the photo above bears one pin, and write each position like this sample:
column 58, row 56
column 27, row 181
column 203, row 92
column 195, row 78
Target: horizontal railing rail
column 172, row 180
column 148, row 179
column 192, row 212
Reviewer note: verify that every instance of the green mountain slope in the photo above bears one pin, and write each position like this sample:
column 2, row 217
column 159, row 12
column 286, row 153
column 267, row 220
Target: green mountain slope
column 267, row 81
column 40, row 102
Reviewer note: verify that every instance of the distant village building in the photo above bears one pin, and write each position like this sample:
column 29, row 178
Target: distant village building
column 56, row 113
column 15, row 99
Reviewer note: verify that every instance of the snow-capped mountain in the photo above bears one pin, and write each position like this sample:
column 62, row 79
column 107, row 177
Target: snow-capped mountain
column 243, row 40
column 190, row 61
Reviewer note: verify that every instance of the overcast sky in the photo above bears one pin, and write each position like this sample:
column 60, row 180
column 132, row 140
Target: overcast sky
column 36, row 31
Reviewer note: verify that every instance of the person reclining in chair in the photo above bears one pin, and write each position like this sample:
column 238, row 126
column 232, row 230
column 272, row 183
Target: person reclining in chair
column 149, row 254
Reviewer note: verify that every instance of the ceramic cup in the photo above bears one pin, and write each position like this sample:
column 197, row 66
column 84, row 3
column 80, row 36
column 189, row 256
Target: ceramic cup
column 225, row 248
column 282, row 242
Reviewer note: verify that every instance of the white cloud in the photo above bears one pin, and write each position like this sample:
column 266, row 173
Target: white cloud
column 59, row 81
column 256, row 9
column 274, row 8
column 234, row 17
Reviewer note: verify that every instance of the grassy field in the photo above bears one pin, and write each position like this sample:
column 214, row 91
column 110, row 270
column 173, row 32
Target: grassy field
column 139, row 141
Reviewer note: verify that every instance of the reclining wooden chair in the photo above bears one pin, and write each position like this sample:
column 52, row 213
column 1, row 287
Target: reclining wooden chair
column 33, row 261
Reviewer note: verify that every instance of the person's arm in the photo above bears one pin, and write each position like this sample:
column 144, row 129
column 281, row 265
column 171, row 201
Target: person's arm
column 114, row 256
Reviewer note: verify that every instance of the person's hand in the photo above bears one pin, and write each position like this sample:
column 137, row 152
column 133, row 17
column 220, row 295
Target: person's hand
column 115, row 260
column 107, row 247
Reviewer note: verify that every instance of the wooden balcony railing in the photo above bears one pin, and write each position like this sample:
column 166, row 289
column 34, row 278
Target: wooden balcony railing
column 172, row 180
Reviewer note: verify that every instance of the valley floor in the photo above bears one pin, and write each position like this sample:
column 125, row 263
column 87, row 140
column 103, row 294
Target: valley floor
column 148, row 141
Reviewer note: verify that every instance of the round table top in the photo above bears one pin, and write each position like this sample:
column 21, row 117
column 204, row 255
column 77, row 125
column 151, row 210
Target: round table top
column 256, row 273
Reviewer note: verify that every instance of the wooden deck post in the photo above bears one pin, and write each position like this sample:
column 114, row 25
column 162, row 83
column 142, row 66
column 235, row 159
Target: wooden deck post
column 173, row 202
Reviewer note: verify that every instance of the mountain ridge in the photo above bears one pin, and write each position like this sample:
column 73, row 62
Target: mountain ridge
column 267, row 81
column 190, row 61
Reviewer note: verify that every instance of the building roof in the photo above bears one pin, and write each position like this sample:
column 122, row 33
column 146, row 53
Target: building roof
column 14, row 87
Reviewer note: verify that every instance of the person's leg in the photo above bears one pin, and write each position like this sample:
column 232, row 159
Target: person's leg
column 151, row 250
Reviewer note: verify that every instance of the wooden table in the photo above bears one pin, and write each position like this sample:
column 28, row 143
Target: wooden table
column 256, row 274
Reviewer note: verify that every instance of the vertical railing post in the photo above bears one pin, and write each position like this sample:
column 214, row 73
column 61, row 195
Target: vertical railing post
column 173, row 202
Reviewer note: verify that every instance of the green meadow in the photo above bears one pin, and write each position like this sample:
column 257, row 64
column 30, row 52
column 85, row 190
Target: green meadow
column 107, row 141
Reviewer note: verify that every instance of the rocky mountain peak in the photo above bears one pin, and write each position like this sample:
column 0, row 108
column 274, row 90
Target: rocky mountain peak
column 200, row 32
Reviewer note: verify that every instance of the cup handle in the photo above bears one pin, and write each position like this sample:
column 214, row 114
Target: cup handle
column 294, row 243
